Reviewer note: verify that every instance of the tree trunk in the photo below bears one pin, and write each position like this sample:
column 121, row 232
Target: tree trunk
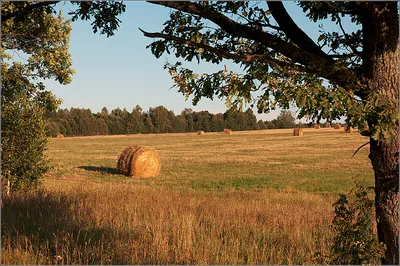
column 384, row 158
column 381, row 73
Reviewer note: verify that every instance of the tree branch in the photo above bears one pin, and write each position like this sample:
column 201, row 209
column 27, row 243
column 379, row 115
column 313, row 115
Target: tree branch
column 223, row 53
column 26, row 9
column 291, row 29
column 352, row 47
column 349, row 55
column 325, row 67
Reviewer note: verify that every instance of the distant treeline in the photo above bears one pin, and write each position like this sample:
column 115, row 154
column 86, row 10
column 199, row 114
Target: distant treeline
column 82, row 122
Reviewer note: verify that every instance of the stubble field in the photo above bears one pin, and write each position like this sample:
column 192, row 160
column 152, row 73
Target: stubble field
column 254, row 197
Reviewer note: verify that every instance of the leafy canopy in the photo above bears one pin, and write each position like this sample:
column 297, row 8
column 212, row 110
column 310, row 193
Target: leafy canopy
column 34, row 47
column 280, row 64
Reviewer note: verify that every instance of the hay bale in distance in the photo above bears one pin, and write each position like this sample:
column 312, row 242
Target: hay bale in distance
column 60, row 136
column 348, row 130
column 139, row 162
column 337, row 126
column 200, row 133
column 327, row 125
column 317, row 126
column 298, row 132
column 227, row 131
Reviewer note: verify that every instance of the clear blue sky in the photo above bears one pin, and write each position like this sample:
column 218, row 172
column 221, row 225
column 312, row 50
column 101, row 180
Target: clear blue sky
column 120, row 72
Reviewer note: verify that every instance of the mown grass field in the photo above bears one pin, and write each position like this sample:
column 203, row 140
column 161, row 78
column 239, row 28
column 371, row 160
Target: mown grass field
column 254, row 197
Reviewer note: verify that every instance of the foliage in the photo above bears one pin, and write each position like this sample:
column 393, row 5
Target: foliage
column 354, row 242
column 23, row 143
column 41, row 42
column 82, row 122
column 34, row 47
column 280, row 65
column 105, row 15
column 284, row 120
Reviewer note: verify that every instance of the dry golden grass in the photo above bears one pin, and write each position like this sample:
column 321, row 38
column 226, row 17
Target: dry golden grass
column 256, row 197
column 159, row 226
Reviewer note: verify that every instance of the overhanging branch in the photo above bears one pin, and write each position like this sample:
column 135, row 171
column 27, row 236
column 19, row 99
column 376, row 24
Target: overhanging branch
column 325, row 67
column 223, row 53
column 26, row 9
column 291, row 29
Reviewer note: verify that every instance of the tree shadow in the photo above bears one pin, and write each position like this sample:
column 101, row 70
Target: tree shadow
column 58, row 230
column 100, row 169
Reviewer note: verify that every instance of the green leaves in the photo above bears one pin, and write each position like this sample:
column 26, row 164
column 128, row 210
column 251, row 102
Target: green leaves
column 354, row 242
column 283, row 79
column 234, row 87
column 383, row 117
column 44, row 39
column 23, row 141
column 104, row 13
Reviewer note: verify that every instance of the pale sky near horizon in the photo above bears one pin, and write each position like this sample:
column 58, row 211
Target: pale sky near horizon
column 120, row 72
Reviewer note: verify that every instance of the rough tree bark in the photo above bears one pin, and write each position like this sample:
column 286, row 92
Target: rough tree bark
column 381, row 70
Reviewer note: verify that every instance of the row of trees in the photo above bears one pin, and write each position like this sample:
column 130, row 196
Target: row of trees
column 82, row 122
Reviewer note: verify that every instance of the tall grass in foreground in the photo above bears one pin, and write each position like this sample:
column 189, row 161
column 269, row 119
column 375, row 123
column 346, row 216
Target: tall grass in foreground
column 124, row 224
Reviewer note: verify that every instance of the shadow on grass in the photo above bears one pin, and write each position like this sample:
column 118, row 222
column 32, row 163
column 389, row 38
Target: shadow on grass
column 55, row 228
column 100, row 169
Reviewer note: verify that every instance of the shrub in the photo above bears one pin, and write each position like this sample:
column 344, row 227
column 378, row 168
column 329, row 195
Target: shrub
column 354, row 242
column 23, row 142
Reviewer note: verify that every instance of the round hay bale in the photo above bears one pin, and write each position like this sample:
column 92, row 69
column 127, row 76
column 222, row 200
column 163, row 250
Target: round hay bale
column 200, row 133
column 337, row 126
column 298, row 132
column 317, row 126
column 348, row 130
column 60, row 136
column 327, row 125
column 227, row 131
column 139, row 162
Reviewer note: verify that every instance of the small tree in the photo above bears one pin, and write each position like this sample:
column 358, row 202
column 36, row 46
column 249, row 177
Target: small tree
column 43, row 38
column 285, row 120
column 23, row 142
column 355, row 242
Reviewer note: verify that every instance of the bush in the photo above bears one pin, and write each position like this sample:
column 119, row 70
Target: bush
column 23, row 142
column 355, row 241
